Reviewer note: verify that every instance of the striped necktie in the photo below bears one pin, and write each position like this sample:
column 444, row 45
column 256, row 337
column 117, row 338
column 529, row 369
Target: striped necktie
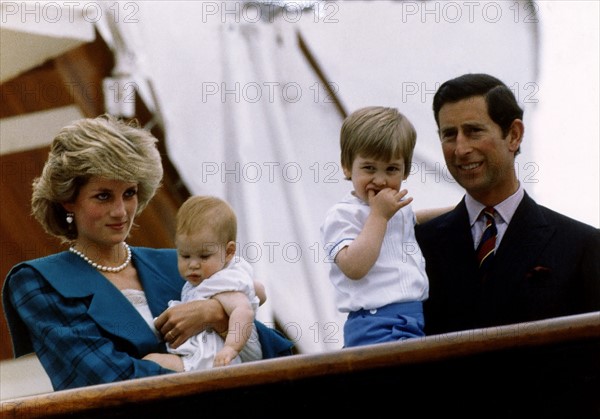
column 487, row 245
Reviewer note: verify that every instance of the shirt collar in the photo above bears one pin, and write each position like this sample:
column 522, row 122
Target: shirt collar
column 505, row 209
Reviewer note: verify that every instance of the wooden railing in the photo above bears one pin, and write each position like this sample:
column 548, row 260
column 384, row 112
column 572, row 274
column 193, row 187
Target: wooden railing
column 548, row 367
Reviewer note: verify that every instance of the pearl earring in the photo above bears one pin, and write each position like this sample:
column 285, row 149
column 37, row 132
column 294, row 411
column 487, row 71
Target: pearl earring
column 70, row 218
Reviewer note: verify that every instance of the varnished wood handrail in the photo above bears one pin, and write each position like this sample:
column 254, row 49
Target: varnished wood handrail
column 544, row 333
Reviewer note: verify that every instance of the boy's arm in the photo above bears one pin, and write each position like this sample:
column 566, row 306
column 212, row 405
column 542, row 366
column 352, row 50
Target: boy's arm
column 357, row 259
column 260, row 291
column 241, row 318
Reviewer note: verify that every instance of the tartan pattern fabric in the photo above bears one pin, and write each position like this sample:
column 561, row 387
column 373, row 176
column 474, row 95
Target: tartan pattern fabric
column 487, row 244
column 74, row 351
column 84, row 331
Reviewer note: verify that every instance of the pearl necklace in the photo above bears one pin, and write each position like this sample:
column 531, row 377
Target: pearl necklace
column 102, row 267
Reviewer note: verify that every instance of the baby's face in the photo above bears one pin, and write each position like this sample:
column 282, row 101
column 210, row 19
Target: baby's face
column 374, row 174
column 200, row 255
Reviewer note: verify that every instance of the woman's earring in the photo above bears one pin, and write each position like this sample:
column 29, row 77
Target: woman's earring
column 70, row 218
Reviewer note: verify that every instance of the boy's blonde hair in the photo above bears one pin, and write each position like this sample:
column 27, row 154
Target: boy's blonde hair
column 199, row 212
column 377, row 132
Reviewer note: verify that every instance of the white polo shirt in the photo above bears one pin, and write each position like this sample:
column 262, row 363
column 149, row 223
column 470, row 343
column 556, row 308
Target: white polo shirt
column 399, row 273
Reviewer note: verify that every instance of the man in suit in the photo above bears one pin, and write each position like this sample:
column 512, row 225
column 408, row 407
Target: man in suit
column 539, row 264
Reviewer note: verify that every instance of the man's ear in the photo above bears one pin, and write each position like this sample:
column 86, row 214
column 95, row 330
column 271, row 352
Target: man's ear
column 515, row 135
column 229, row 251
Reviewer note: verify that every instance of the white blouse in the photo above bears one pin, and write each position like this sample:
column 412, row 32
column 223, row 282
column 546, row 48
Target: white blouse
column 138, row 299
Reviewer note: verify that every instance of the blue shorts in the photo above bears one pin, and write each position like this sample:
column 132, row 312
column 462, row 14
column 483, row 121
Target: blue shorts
column 397, row 321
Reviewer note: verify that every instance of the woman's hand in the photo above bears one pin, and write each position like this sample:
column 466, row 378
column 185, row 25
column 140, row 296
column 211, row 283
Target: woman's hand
column 180, row 322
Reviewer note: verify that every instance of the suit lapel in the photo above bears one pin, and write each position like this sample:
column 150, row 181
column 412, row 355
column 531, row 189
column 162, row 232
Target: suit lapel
column 160, row 285
column 456, row 239
column 524, row 240
column 109, row 308
column 527, row 234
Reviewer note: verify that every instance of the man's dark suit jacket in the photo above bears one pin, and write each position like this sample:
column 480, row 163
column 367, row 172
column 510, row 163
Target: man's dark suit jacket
column 547, row 265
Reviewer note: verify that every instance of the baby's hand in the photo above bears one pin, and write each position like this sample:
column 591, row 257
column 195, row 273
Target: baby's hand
column 387, row 202
column 224, row 356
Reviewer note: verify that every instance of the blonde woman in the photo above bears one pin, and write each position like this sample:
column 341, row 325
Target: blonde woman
column 93, row 312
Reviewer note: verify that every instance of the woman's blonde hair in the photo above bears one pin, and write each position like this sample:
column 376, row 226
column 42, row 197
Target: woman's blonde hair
column 103, row 146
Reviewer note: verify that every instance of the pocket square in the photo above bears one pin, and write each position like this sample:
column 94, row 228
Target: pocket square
column 538, row 272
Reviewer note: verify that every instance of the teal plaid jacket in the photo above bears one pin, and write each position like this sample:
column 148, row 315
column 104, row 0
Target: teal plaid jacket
column 84, row 331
